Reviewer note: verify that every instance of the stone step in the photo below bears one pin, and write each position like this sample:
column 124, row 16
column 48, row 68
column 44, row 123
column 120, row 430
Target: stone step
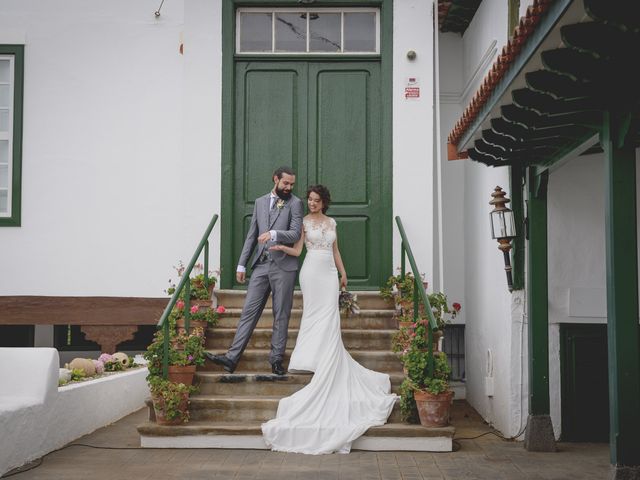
column 225, row 408
column 235, row 299
column 238, row 383
column 353, row 339
column 258, row 361
column 204, row 434
column 367, row 320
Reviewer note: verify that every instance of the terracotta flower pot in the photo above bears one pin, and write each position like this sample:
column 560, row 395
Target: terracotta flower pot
column 182, row 374
column 193, row 324
column 433, row 410
column 160, row 410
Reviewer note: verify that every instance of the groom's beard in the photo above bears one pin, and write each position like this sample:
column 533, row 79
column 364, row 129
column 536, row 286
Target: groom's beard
column 282, row 194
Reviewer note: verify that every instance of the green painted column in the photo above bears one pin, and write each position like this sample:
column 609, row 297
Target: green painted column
column 539, row 436
column 622, row 294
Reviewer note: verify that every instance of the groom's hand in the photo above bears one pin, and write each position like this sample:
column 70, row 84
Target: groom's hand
column 240, row 277
column 265, row 237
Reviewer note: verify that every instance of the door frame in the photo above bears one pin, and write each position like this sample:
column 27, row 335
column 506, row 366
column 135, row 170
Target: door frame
column 227, row 264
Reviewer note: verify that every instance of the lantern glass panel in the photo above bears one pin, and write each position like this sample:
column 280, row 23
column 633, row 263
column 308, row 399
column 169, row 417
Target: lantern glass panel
column 503, row 224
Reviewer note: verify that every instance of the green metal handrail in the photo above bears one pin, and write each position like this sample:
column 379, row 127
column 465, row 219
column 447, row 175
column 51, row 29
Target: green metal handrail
column 418, row 287
column 186, row 285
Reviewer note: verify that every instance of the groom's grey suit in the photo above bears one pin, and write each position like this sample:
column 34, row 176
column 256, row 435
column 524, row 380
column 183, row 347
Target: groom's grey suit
column 273, row 272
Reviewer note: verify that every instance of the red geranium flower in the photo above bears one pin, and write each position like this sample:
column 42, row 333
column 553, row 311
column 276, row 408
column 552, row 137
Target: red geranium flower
column 457, row 307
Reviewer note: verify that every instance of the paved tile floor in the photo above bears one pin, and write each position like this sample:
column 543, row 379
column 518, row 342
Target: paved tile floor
column 486, row 457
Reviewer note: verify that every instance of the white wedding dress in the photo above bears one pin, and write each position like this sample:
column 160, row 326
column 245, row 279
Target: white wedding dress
column 343, row 399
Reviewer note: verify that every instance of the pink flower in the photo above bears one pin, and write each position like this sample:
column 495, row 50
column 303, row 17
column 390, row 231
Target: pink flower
column 221, row 309
column 414, row 325
column 457, row 307
column 105, row 358
column 194, row 309
column 190, row 358
column 179, row 304
column 413, row 334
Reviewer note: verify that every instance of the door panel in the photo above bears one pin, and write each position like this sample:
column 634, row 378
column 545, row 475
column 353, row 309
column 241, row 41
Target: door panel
column 324, row 120
column 270, row 131
column 344, row 154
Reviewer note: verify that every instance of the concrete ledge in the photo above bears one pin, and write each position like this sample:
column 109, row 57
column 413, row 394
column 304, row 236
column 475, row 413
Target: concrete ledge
column 256, row 442
column 248, row 435
column 539, row 436
column 70, row 412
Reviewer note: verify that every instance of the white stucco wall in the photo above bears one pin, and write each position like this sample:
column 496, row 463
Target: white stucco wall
column 113, row 122
column 121, row 147
column 413, row 166
column 577, row 255
column 452, row 248
column 495, row 322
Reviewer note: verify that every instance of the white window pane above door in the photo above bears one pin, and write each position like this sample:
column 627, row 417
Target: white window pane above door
column 4, row 119
column 360, row 32
column 4, row 95
column 4, row 152
column 325, row 32
column 291, row 32
column 255, row 32
column 4, row 70
column 4, row 176
column 4, row 202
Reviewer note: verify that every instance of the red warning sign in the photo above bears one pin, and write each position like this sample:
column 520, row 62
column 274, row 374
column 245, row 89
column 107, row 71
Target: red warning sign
column 411, row 92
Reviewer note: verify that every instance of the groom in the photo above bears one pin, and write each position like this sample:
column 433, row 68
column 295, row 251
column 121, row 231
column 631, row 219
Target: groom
column 277, row 219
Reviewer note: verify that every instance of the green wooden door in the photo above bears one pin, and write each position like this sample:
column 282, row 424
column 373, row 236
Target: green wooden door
column 324, row 119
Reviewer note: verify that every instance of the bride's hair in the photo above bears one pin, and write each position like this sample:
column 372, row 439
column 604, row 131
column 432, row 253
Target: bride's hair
column 324, row 194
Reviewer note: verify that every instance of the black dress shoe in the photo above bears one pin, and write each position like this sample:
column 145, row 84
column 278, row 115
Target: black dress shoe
column 221, row 360
column 277, row 368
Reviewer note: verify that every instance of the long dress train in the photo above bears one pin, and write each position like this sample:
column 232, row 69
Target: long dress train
column 343, row 399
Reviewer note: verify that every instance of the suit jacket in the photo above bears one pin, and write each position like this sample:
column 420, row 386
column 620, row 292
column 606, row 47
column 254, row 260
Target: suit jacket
column 286, row 221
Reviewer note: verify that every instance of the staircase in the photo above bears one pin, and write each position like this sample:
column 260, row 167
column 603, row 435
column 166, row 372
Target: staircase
column 229, row 409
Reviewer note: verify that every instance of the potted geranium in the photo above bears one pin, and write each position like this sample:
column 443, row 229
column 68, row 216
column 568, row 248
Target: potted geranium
column 200, row 318
column 424, row 396
column 170, row 400
column 185, row 354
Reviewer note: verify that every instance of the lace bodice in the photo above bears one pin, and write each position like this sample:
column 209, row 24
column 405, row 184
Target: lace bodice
column 319, row 235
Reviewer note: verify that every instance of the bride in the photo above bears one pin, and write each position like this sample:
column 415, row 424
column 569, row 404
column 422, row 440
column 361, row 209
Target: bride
column 343, row 399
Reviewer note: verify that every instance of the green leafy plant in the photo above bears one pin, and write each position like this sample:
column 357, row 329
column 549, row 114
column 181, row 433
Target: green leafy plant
column 183, row 350
column 171, row 398
column 397, row 289
column 418, row 379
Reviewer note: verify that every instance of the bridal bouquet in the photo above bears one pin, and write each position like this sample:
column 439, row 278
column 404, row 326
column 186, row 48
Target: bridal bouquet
column 348, row 303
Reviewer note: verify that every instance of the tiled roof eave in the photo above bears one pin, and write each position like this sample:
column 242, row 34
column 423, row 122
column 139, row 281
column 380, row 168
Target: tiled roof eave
column 533, row 29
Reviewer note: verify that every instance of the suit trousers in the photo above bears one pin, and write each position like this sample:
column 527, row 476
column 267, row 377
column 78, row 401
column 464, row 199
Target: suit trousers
column 266, row 278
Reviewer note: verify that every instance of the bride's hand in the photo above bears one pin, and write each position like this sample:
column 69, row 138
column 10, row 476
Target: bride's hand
column 277, row 247
column 343, row 281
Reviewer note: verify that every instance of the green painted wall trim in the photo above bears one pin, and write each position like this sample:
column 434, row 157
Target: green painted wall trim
column 538, row 295
column 622, row 292
column 227, row 263
column 18, row 103
column 517, row 205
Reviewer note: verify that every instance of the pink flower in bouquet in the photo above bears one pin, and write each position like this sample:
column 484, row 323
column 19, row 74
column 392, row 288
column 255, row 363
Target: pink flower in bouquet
column 221, row 309
column 194, row 309
column 99, row 366
column 179, row 304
